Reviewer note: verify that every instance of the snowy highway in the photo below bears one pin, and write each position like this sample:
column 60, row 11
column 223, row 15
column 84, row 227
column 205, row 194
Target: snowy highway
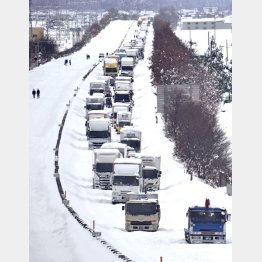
column 54, row 234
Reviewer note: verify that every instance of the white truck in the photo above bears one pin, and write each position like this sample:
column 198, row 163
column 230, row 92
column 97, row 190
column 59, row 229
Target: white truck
column 132, row 137
column 123, row 85
column 97, row 86
column 95, row 114
column 109, row 80
column 95, row 102
column 127, row 66
column 92, row 114
column 142, row 212
column 116, row 145
column 151, row 171
column 126, row 178
column 111, row 67
column 120, row 107
column 123, row 96
column 123, row 92
column 132, row 53
column 123, row 119
column 99, row 132
column 103, row 160
column 125, row 79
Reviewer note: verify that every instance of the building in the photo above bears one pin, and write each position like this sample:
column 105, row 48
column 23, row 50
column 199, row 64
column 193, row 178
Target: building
column 36, row 33
column 205, row 23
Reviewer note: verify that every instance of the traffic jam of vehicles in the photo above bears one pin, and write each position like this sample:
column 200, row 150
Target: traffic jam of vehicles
column 119, row 163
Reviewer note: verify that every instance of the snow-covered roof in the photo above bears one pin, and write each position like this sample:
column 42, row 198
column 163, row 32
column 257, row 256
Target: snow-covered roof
column 130, row 160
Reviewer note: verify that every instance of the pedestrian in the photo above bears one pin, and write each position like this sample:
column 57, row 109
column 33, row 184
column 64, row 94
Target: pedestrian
column 38, row 93
column 69, row 61
column 66, row 61
column 156, row 119
column 33, row 93
column 108, row 102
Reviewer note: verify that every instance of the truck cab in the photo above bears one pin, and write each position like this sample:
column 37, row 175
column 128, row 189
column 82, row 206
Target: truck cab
column 142, row 212
column 123, row 119
column 151, row 172
column 206, row 224
column 95, row 102
column 95, row 114
column 131, row 137
column 99, row 132
column 127, row 66
column 111, row 67
column 98, row 86
column 119, row 107
column 126, row 178
column 103, row 160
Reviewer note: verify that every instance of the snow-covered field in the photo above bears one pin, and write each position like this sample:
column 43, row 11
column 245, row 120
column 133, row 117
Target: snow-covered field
column 54, row 234
column 223, row 39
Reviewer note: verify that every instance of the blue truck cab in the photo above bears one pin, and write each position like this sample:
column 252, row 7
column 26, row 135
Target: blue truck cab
column 206, row 224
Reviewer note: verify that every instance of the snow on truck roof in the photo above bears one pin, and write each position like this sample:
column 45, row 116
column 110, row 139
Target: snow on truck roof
column 106, row 151
column 129, row 160
column 114, row 145
column 100, row 111
column 127, row 59
column 110, row 61
column 127, row 129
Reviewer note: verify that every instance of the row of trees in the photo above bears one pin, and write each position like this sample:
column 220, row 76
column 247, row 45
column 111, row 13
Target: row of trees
column 200, row 144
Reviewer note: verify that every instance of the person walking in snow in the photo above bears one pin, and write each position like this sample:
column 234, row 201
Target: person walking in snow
column 33, row 93
column 38, row 93
column 69, row 61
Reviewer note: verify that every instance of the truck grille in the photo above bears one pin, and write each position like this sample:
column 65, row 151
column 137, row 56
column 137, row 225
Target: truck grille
column 141, row 223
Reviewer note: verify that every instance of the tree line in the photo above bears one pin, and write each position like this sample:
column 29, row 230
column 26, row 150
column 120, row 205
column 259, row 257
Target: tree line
column 199, row 143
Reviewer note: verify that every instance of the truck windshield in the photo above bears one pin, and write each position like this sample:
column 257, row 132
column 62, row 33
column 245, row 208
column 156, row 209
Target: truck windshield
column 97, row 86
column 127, row 68
column 124, row 123
column 122, row 97
column 98, row 134
column 150, row 174
column 94, row 106
column 132, row 143
column 104, row 167
column 125, row 181
column 204, row 216
column 111, row 70
column 145, row 209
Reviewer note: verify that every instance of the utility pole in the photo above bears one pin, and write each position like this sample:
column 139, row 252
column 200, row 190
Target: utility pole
column 226, row 52
column 30, row 19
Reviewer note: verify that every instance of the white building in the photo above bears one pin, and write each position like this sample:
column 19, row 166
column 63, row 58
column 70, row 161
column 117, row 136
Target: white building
column 205, row 23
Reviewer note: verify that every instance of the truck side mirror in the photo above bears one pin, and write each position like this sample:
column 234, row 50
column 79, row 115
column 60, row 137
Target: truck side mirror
column 158, row 208
column 187, row 214
column 228, row 217
column 123, row 208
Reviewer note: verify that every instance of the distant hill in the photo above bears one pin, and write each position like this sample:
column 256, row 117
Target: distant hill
column 133, row 5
